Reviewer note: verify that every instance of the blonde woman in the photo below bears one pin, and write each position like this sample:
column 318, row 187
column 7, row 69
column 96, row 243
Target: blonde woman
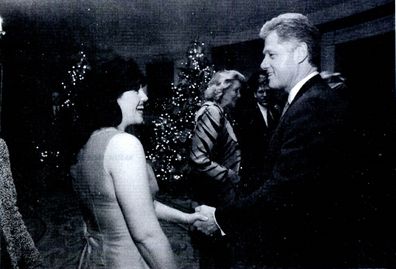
column 215, row 158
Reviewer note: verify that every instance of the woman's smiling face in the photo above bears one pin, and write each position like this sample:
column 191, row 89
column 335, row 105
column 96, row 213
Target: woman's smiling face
column 132, row 105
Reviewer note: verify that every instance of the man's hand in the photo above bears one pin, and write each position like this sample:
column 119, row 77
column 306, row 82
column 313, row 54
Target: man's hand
column 209, row 226
column 194, row 217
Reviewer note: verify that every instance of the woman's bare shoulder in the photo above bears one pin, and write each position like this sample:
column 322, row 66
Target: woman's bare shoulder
column 124, row 144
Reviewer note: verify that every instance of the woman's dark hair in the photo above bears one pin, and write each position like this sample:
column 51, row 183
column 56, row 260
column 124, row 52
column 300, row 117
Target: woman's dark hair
column 97, row 102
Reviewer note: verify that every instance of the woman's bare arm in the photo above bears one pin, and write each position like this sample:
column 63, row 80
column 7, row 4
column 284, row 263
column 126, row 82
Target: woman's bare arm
column 126, row 163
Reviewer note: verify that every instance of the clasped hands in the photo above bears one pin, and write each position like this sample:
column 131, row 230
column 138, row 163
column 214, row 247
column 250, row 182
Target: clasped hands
column 205, row 225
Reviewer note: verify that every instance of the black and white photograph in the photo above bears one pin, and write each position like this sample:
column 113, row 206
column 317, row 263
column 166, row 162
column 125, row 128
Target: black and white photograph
column 197, row 134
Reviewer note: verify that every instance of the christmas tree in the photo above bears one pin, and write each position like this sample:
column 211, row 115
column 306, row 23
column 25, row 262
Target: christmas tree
column 173, row 129
column 52, row 145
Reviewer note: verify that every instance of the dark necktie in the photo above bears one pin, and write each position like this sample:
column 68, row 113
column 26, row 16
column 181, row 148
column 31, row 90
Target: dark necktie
column 270, row 120
column 285, row 108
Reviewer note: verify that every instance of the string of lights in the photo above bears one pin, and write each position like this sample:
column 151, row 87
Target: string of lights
column 46, row 152
column 174, row 126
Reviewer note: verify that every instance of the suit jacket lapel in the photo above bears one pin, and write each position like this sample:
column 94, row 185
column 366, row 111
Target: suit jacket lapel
column 259, row 117
column 305, row 87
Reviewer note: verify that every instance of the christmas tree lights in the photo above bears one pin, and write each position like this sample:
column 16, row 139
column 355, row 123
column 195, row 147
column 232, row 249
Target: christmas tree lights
column 49, row 148
column 173, row 129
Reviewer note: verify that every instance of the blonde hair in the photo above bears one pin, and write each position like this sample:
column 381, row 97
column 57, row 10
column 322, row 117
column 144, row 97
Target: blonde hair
column 221, row 81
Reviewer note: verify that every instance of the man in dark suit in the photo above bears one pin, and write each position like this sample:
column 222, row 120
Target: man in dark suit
column 302, row 212
column 256, row 121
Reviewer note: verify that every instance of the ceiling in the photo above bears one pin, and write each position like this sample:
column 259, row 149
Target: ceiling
column 145, row 28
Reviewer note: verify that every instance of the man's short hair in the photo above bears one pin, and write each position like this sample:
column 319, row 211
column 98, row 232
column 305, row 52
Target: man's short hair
column 295, row 26
column 258, row 79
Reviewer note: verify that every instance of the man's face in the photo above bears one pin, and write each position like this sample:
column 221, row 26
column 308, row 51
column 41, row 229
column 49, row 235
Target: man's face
column 280, row 62
column 261, row 96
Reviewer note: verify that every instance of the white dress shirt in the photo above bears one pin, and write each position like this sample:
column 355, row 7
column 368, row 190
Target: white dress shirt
column 264, row 112
column 293, row 92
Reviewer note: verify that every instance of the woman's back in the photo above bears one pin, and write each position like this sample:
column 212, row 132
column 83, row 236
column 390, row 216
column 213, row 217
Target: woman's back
column 109, row 242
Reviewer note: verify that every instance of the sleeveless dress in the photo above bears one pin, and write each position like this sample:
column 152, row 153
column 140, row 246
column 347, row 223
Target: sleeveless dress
column 108, row 241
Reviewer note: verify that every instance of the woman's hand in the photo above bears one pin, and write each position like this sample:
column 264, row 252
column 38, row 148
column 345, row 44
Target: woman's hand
column 191, row 218
column 233, row 176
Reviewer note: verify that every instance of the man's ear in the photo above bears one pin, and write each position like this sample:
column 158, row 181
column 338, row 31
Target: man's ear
column 301, row 52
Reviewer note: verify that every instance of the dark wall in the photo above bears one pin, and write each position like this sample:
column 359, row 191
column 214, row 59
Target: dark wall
column 244, row 56
column 369, row 66
column 160, row 77
column 36, row 56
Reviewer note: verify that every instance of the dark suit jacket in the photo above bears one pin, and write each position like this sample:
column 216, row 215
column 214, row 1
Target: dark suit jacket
column 253, row 137
column 301, row 214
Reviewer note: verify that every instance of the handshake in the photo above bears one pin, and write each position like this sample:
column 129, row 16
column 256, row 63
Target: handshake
column 203, row 219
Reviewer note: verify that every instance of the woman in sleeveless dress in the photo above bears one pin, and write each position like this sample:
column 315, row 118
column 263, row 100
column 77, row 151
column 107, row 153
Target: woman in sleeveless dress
column 111, row 176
